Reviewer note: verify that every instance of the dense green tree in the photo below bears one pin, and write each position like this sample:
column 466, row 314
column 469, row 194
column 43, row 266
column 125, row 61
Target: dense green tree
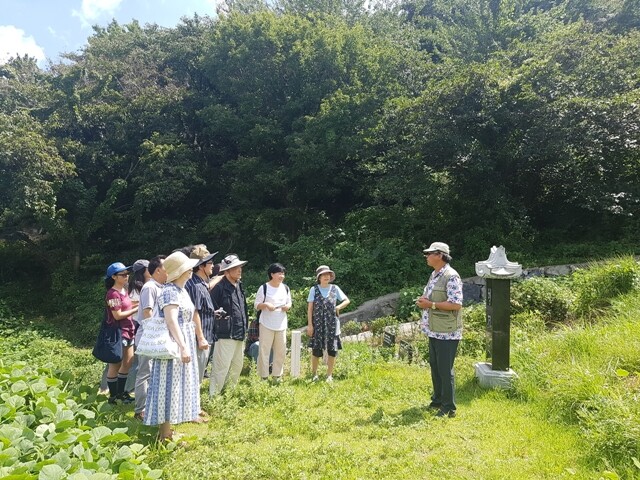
column 31, row 168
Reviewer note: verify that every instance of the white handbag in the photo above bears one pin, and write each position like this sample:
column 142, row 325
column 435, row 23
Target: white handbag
column 156, row 340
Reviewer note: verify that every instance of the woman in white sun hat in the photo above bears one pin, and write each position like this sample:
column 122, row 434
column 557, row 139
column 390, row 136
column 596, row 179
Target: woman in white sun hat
column 325, row 301
column 174, row 394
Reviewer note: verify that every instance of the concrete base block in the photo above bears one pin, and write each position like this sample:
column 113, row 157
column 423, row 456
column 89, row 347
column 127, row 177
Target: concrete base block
column 489, row 378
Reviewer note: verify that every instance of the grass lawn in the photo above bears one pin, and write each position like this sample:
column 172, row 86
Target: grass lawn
column 372, row 422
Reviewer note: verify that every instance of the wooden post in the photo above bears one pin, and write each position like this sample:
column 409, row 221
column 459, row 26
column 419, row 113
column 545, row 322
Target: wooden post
column 296, row 344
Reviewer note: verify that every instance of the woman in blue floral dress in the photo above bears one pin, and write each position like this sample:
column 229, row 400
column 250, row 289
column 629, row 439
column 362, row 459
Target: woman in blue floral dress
column 174, row 393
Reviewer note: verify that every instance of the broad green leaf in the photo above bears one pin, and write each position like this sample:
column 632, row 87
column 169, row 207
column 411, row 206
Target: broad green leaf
column 25, row 420
column 127, row 467
column 78, row 476
column 16, row 401
column 6, row 411
column 101, row 476
column 63, row 438
column 62, row 459
column 87, row 413
column 78, row 450
column 123, row 453
column 117, row 438
column 620, row 372
column 9, row 456
column 38, row 387
column 19, row 386
column 64, row 424
column 100, row 432
column 52, row 472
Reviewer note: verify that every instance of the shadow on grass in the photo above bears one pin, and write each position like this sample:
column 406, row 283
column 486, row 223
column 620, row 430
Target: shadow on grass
column 406, row 417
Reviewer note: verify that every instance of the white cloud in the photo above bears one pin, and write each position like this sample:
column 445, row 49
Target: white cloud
column 90, row 10
column 14, row 42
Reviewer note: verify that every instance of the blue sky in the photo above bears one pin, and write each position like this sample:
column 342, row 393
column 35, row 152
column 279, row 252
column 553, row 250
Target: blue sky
column 45, row 28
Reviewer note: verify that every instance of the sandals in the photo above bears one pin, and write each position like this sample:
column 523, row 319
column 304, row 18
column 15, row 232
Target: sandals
column 202, row 417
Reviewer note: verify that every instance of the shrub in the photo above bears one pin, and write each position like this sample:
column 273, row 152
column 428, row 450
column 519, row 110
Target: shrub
column 406, row 309
column 350, row 328
column 598, row 285
column 474, row 337
column 378, row 325
column 421, row 349
column 544, row 295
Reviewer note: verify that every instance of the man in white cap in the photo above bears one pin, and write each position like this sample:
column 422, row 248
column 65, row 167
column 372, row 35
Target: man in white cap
column 230, row 325
column 441, row 321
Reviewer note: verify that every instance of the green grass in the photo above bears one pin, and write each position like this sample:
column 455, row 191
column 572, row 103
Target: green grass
column 375, row 424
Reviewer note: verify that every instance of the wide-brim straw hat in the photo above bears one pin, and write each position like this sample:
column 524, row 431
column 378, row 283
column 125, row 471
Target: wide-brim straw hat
column 231, row 261
column 325, row 269
column 176, row 264
column 201, row 253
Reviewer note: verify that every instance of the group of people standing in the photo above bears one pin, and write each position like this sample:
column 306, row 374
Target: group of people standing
column 205, row 309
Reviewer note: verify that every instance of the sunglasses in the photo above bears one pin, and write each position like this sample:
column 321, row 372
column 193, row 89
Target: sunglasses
column 122, row 274
column 431, row 253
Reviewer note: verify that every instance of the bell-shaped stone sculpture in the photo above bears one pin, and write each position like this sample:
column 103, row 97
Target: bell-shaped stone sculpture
column 497, row 265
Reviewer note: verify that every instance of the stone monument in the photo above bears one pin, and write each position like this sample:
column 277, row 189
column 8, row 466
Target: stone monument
column 497, row 272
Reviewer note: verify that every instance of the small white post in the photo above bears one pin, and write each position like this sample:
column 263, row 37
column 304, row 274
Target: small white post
column 296, row 344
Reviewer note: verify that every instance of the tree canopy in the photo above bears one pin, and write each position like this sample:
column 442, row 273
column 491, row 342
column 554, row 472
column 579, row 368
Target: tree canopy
column 318, row 131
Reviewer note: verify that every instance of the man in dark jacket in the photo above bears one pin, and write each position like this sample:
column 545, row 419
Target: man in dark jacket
column 230, row 325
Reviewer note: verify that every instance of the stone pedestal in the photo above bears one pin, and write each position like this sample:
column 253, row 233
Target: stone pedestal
column 489, row 378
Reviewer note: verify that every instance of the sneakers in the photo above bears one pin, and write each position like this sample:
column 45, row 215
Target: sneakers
column 435, row 406
column 126, row 399
column 315, row 378
column 330, row 379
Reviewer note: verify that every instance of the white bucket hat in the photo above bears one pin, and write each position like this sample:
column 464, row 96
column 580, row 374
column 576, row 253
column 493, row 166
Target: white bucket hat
column 325, row 269
column 437, row 247
column 231, row 261
column 176, row 264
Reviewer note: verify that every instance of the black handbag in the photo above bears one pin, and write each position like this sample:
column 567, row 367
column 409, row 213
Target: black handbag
column 108, row 347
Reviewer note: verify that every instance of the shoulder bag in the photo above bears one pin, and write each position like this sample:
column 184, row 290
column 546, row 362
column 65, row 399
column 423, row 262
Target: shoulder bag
column 108, row 348
column 156, row 340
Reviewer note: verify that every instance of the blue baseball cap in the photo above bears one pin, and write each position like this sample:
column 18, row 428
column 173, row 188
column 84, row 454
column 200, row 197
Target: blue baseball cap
column 116, row 268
